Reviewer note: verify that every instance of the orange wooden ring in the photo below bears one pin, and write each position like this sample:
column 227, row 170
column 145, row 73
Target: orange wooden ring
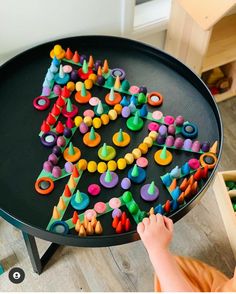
column 44, row 191
column 82, row 99
column 72, row 158
column 123, row 143
column 203, row 163
column 116, row 100
column 155, row 103
column 160, row 161
column 91, row 143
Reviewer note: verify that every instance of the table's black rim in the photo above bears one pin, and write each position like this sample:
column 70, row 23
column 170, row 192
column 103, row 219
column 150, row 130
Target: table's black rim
column 111, row 240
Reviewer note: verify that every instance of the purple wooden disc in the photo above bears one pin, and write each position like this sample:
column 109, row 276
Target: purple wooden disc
column 113, row 183
column 147, row 197
column 49, row 139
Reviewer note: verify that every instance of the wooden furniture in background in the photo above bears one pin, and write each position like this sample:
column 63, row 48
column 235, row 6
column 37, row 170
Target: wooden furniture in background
column 202, row 34
column 225, row 205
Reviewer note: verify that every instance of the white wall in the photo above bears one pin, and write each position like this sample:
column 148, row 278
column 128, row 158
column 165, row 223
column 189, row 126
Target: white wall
column 25, row 23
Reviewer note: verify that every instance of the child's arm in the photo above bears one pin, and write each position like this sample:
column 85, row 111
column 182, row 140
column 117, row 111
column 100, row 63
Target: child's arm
column 156, row 234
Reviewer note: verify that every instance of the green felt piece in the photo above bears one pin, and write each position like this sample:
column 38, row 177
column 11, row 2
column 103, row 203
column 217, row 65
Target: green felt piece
column 66, row 200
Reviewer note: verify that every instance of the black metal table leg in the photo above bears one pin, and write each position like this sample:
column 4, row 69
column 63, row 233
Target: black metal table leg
column 38, row 263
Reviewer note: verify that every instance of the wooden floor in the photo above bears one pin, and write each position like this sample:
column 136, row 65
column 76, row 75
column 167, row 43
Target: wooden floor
column 199, row 234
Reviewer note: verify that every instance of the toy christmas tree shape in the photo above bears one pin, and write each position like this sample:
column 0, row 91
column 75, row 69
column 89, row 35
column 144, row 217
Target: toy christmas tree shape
column 121, row 139
column 79, row 200
column 109, row 179
column 106, row 152
column 135, row 123
column 92, row 139
column 163, row 156
column 113, row 98
column 149, row 192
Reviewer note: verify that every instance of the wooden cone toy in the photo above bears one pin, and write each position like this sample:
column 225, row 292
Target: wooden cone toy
column 61, row 204
column 55, row 214
column 94, row 222
column 90, row 229
column 173, row 185
column 85, row 222
column 98, row 228
column 82, row 232
column 78, row 225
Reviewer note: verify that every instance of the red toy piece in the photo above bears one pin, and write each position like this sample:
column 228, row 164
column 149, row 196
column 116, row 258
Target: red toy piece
column 75, row 172
column 51, row 119
column 167, row 206
column 123, row 218
column 55, row 110
column 60, row 101
column 115, row 222
column 127, row 225
column 65, row 93
column 67, row 191
column 70, row 123
column 68, row 54
column 205, row 172
column 198, row 174
column 75, row 217
column 45, row 127
column 76, row 57
column 119, row 228
column 59, row 127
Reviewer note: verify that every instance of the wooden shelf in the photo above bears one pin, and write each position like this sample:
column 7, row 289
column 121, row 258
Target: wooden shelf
column 224, row 96
column 222, row 45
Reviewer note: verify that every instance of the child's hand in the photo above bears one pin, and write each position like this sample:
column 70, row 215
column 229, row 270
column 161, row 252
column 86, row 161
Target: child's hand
column 156, row 232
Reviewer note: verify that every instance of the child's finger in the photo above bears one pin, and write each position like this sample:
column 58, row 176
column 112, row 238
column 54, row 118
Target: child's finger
column 146, row 221
column 152, row 218
column 168, row 223
column 140, row 228
column 159, row 218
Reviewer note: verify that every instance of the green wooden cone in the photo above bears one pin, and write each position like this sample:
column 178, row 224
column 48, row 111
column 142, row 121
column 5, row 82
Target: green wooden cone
column 100, row 108
column 104, row 150
column 85, row 67
column 71, row 150
column 151, row 189
column 136, row 118
column 120, row 136
column 83, row 90
column 108, row 176
column 135, row 171
column 78, row 197
column 61, row 72
column 92, row 135
column 163, row 154
column 69, row 107
column 111, row 95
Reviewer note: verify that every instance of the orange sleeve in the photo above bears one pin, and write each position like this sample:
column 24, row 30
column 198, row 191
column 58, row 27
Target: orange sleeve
column 202, row 277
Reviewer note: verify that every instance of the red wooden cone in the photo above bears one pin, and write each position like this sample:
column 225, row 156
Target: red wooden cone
column 75, row 172
column 67, row 191
column 127, row 225
column 70, row 123
column 50, row 119
column 60, row 101
column 119, row 228
column 45, row 127
column 198, row 174
column 68, row 54
column 115, row 222
column 205, row 172
column 76, row 57
column 65, row 93
column 123, row 218
column 167, row 206
column 56, row 110
column 59, row 127
column 75, row 217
